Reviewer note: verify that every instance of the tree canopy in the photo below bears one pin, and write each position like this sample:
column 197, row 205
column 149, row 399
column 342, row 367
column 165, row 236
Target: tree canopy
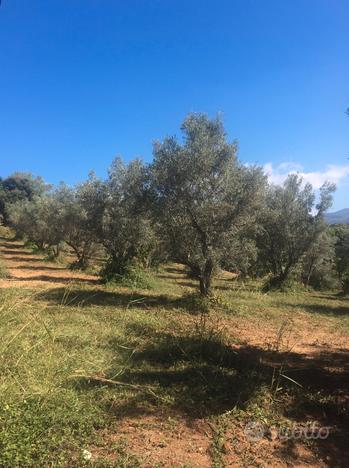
column 196, row 203
column 204, row 196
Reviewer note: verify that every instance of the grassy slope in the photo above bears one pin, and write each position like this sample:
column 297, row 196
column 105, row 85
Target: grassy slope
column 218, row 370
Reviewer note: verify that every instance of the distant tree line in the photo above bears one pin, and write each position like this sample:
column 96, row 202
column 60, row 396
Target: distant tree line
column 195, row 204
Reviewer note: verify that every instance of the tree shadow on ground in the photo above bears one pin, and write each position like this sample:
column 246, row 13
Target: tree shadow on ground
column 8, row 244
column 11, row 245
column 187, row 284
column 59, row 279
column 26, row 260
column 207, row 378
column 204, row 377
column 324, row 369
column 336, row 296
column 38, row 268
column 16, row 252
column 338, row 310
column 171, row 277
column 123, row 299
column 170, row 269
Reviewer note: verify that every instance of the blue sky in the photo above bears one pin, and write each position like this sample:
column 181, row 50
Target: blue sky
column 82, row 81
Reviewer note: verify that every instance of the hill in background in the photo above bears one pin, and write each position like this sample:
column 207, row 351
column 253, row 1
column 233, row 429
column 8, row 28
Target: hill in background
column 338, row 217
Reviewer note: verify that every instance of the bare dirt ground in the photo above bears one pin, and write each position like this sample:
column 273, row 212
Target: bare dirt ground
column 29, row 270
column 163, row 441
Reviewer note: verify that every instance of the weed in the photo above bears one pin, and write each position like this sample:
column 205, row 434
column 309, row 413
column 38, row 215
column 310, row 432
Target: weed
column 33, row 247
column 218, row 445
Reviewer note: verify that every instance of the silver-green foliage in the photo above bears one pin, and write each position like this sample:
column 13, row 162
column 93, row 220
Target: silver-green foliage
column 203, row 196
column 291, row 225
column 125, row 229
column 80, row 212
column 38, row 220
column 342, row 255
column 318, row 266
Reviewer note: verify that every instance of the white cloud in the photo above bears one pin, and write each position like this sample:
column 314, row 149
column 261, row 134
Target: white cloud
column 332, row 173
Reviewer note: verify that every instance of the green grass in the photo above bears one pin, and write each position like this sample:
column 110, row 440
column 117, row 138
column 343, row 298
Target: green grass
column 174, row 358
column 46, row 416
column 3, row 270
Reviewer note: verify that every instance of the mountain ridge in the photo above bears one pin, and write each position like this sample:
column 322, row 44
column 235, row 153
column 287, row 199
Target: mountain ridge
column 338, row 217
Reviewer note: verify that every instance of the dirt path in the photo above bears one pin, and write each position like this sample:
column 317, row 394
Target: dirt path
column 28, row 270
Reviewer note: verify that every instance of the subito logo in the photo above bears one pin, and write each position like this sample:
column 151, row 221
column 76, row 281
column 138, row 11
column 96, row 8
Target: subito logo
column 254, row 431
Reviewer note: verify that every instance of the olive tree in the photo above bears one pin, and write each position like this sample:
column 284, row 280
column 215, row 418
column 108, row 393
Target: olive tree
column 39, row 221
column 342, row 254
column 203, row 196
column 318, row 266
column 25, row 218
column 79, row 212
column 125, row 229
column 292, row 223
column 19, row 186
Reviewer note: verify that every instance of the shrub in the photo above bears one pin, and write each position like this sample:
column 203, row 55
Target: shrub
column 292, row 284
column 133, row 277
column 197, row 303
column 33, row 247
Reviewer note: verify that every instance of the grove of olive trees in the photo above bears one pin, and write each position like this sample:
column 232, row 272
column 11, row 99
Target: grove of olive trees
column 196, row 204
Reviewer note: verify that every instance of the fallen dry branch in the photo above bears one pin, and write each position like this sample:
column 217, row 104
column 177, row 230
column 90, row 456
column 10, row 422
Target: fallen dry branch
column 103, row 380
